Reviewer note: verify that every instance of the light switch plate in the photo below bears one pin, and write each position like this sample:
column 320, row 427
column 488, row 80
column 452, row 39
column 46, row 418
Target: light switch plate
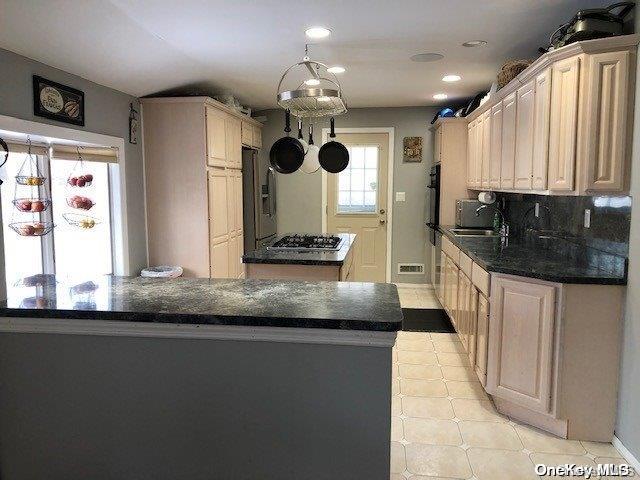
column 587, row 218
column 400, row 196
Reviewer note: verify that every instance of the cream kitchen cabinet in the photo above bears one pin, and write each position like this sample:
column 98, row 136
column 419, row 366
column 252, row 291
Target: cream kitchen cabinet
column 508, row 151
column 521, row 331
column 449, row 149
column 247, row 134
column 541, row 124
column 482, row 337
column 257, row 137
column 193, row 162
column 485, row 163
column 495, row 150
column 566, row 123
column 216, row 137
column 523, row 160
column 565, row 82
column 553, row 354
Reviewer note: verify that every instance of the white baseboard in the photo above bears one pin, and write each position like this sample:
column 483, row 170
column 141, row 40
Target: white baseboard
column 628, row 456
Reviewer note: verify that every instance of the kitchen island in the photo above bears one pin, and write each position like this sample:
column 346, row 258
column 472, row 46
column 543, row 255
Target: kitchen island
column 295, row 263
column 193, row 378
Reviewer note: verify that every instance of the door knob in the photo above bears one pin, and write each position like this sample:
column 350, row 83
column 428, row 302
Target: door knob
column 382, row 212
column 382, row 221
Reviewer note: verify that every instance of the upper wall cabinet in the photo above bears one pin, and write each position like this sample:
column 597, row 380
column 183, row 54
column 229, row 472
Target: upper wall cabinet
column 561, row 127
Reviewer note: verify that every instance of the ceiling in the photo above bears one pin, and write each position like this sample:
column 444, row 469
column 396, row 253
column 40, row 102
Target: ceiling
column 143, row 47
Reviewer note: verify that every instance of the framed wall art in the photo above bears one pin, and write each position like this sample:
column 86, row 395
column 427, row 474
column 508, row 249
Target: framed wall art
column 57, row 102
column 412, row 149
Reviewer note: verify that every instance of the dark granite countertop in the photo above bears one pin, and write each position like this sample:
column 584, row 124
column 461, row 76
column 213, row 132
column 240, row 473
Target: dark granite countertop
column 545, row 257
column 255, row 303
column 303, row 258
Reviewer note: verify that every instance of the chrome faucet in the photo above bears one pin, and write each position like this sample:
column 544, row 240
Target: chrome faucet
column 504, row 226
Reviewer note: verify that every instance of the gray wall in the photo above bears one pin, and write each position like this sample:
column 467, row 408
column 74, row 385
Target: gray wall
column 106, row 112
column 300, row 194
column 628, row 424
column 102, row 408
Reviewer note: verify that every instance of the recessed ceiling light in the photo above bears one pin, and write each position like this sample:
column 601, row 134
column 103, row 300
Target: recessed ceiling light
column 440, row 96
column 312, row 82
column 317, row 32
column 336, row 69
column 474, row 43
column 427, row 57
column 451, row 78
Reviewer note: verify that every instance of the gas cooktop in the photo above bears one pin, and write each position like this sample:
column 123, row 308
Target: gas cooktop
column 305, row 243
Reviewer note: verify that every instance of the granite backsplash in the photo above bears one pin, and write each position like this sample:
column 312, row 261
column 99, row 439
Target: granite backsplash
column 563, row 216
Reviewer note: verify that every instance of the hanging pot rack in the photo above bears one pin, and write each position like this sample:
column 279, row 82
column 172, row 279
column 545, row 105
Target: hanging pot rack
column 324, row 99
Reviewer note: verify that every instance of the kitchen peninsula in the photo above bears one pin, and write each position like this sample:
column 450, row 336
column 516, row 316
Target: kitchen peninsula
column 304, row 257
column 196, row 378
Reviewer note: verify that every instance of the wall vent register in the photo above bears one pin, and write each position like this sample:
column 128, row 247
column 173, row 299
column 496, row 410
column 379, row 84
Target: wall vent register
column 410, row 268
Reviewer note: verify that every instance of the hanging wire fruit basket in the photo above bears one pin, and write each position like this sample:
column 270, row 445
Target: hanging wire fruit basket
column 33, row 205
column 319, row 95
column 32, row 229
column 85, row 222
column 29, row 172
column 79, row 202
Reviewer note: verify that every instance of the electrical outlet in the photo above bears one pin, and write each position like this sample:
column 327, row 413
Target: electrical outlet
column 400, row 196
column 537, row 210
column 587, row 218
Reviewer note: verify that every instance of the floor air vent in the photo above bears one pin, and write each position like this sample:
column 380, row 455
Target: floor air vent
column 416, row 268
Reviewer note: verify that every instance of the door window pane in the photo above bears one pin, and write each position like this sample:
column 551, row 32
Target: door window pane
column 81, row 251
column 22, row 255
column 358, row 183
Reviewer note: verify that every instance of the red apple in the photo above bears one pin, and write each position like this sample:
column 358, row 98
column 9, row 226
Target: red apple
column 27, row 230
column 73, row 181
column 81, row 182
column 37, row 206
column 24, row 205
column 88, row 177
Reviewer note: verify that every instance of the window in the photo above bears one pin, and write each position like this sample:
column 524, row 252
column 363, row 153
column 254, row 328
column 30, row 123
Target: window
column 68, row 251
column 358, row 183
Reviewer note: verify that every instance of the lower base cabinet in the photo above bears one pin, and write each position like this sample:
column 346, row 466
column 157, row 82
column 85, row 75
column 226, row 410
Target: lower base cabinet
column 521, row 342
column 482, row 338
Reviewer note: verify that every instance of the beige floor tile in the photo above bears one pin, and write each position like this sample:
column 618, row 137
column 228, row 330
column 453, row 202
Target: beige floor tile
column 394, row 355
column 542, row 442
column 407, row 335
column 395, row 386
column 424, row 407
column 420, row 477
column 433, row 460
column 615, row 461
column 453, row 359
column 488, row 464
column 417, row 358
column 420, row 372
column 476, row 410
column 552, row 460
column 600, row 449
column 396, row 405
column 395, row 372
column 442, row 346
column 464, row 374
column 472, row 390
column 414, row 345
column 490, row 435
column 451, row 337
column 398, row 459
column 397, row 476
column 433, row 432
column 396, row 429
column 422, row 388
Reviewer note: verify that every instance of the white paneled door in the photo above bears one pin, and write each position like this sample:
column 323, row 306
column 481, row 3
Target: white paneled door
column 357, row 202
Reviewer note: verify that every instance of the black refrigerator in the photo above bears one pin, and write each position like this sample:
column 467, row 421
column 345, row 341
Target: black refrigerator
column 259, row 200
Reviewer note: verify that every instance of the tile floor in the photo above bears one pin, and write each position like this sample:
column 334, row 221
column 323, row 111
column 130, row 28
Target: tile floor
column 444, row 426
column 417, row 296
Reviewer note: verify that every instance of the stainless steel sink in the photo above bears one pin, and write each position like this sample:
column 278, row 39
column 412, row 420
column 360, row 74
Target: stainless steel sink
column 473, row 232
